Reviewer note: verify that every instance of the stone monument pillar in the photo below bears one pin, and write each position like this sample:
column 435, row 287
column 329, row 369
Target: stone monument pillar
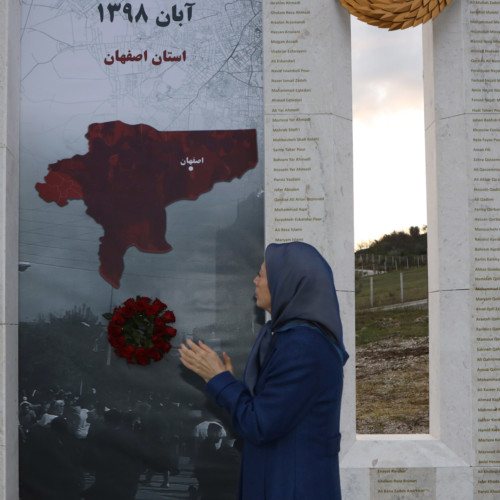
column 308, row 144
column 10, row 15
column 462, row 107
column 459, row 458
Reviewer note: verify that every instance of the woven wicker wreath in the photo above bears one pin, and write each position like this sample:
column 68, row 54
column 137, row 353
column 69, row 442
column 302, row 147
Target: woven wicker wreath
column 395, row 14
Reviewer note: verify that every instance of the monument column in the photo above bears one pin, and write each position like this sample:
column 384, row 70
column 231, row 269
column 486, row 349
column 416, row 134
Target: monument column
column 308, row 145
column 462, row 96
column 10, row 12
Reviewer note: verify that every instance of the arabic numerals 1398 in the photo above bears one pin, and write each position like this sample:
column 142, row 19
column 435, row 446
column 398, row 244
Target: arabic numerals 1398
column 113, row 8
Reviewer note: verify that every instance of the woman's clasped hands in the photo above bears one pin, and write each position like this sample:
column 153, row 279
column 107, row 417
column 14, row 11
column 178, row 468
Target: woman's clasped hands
column 204, row 361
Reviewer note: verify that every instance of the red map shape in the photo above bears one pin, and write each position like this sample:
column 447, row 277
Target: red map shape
column 132, row 172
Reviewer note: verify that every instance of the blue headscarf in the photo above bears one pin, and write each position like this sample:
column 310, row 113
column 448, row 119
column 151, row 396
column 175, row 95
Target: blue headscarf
column 302, row 292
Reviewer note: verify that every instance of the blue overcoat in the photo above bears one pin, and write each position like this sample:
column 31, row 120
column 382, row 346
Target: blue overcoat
column 290, row 425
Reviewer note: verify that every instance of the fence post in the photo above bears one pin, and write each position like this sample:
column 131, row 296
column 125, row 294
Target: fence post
column 401, row 283
column 371, row 291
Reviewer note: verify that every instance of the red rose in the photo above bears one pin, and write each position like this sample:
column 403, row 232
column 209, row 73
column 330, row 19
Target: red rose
column 116, row 341
column 141, row 356
column 169, row 317
column 154, row 353
column 161, row 344
column 155, row 308
column 129, row 303
column 128, row 311
column 118, row 319
column 140, row 307
column 160, row 330
column 114, row 329
column 159, row 321
column 159, row 305
column 126, row 351
column 171, row 332
column 142, row 303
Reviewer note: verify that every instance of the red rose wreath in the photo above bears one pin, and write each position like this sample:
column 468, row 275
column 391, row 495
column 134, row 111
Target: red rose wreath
column 138, row 330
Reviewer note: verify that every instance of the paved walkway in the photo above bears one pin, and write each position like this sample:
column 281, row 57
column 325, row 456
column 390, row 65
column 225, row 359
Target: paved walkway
column 416, row 303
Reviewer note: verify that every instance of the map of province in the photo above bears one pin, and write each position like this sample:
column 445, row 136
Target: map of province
column 132, row 172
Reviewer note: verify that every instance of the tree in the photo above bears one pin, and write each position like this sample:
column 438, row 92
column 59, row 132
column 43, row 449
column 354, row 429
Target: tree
column 414, row 232
column 398, row 243
column 57, row 350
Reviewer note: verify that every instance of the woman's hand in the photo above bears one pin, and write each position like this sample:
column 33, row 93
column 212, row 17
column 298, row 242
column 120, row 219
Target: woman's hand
column 204, row 361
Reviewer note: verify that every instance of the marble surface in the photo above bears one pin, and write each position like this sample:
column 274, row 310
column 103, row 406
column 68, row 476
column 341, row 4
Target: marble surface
column 319, row 127
column 3, row 71
column 9, row 451
column 328, row 180
column 325, row 27
column 308, row 110
column 348, row 410
column 446, row 32
column 460, row 113
column 450, row 449
column 10, row 15
column 451, row 371
column 448, row 209
column 9, row 159
column 9, row 183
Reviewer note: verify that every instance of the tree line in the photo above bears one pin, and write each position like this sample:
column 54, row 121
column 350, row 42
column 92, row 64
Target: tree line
column 396, row 244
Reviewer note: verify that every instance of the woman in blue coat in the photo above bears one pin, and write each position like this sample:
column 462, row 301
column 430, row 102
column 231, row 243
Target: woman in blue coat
column 288, row 407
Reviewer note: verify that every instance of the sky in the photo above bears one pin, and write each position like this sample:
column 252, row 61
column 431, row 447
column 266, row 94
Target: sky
column 388, row 131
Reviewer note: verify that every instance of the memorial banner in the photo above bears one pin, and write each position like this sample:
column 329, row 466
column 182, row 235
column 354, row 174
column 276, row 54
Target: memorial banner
column 141, row 225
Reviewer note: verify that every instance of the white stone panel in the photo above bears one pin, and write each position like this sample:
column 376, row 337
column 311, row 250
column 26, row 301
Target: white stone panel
column 9, row 146
column 311, row 200
column 8, row 413
column 348, row 410
column 8, row 237
column 303, row 37
column 401, row 450
column 454, row 483
column 450, row 371
column 448, row 207
column 463, row 163
column 355, row 483
column 447, row 31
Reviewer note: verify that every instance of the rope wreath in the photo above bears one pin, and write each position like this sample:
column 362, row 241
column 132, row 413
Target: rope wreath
column 395, row 14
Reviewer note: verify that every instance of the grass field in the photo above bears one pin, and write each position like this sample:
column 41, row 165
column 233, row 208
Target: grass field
column 387, row 288
column 407, row 322
column 392, row 381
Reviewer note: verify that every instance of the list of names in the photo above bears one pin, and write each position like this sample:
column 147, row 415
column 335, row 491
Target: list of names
column 297, row 136
column 290, row 62
column 402, row 483
column 484, row 104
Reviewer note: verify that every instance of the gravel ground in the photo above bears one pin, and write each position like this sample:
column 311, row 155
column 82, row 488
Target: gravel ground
column 392, row 385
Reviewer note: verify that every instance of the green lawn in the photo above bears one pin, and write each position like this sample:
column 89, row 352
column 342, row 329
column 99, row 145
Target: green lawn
column 405, row 322
column 387, row 289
